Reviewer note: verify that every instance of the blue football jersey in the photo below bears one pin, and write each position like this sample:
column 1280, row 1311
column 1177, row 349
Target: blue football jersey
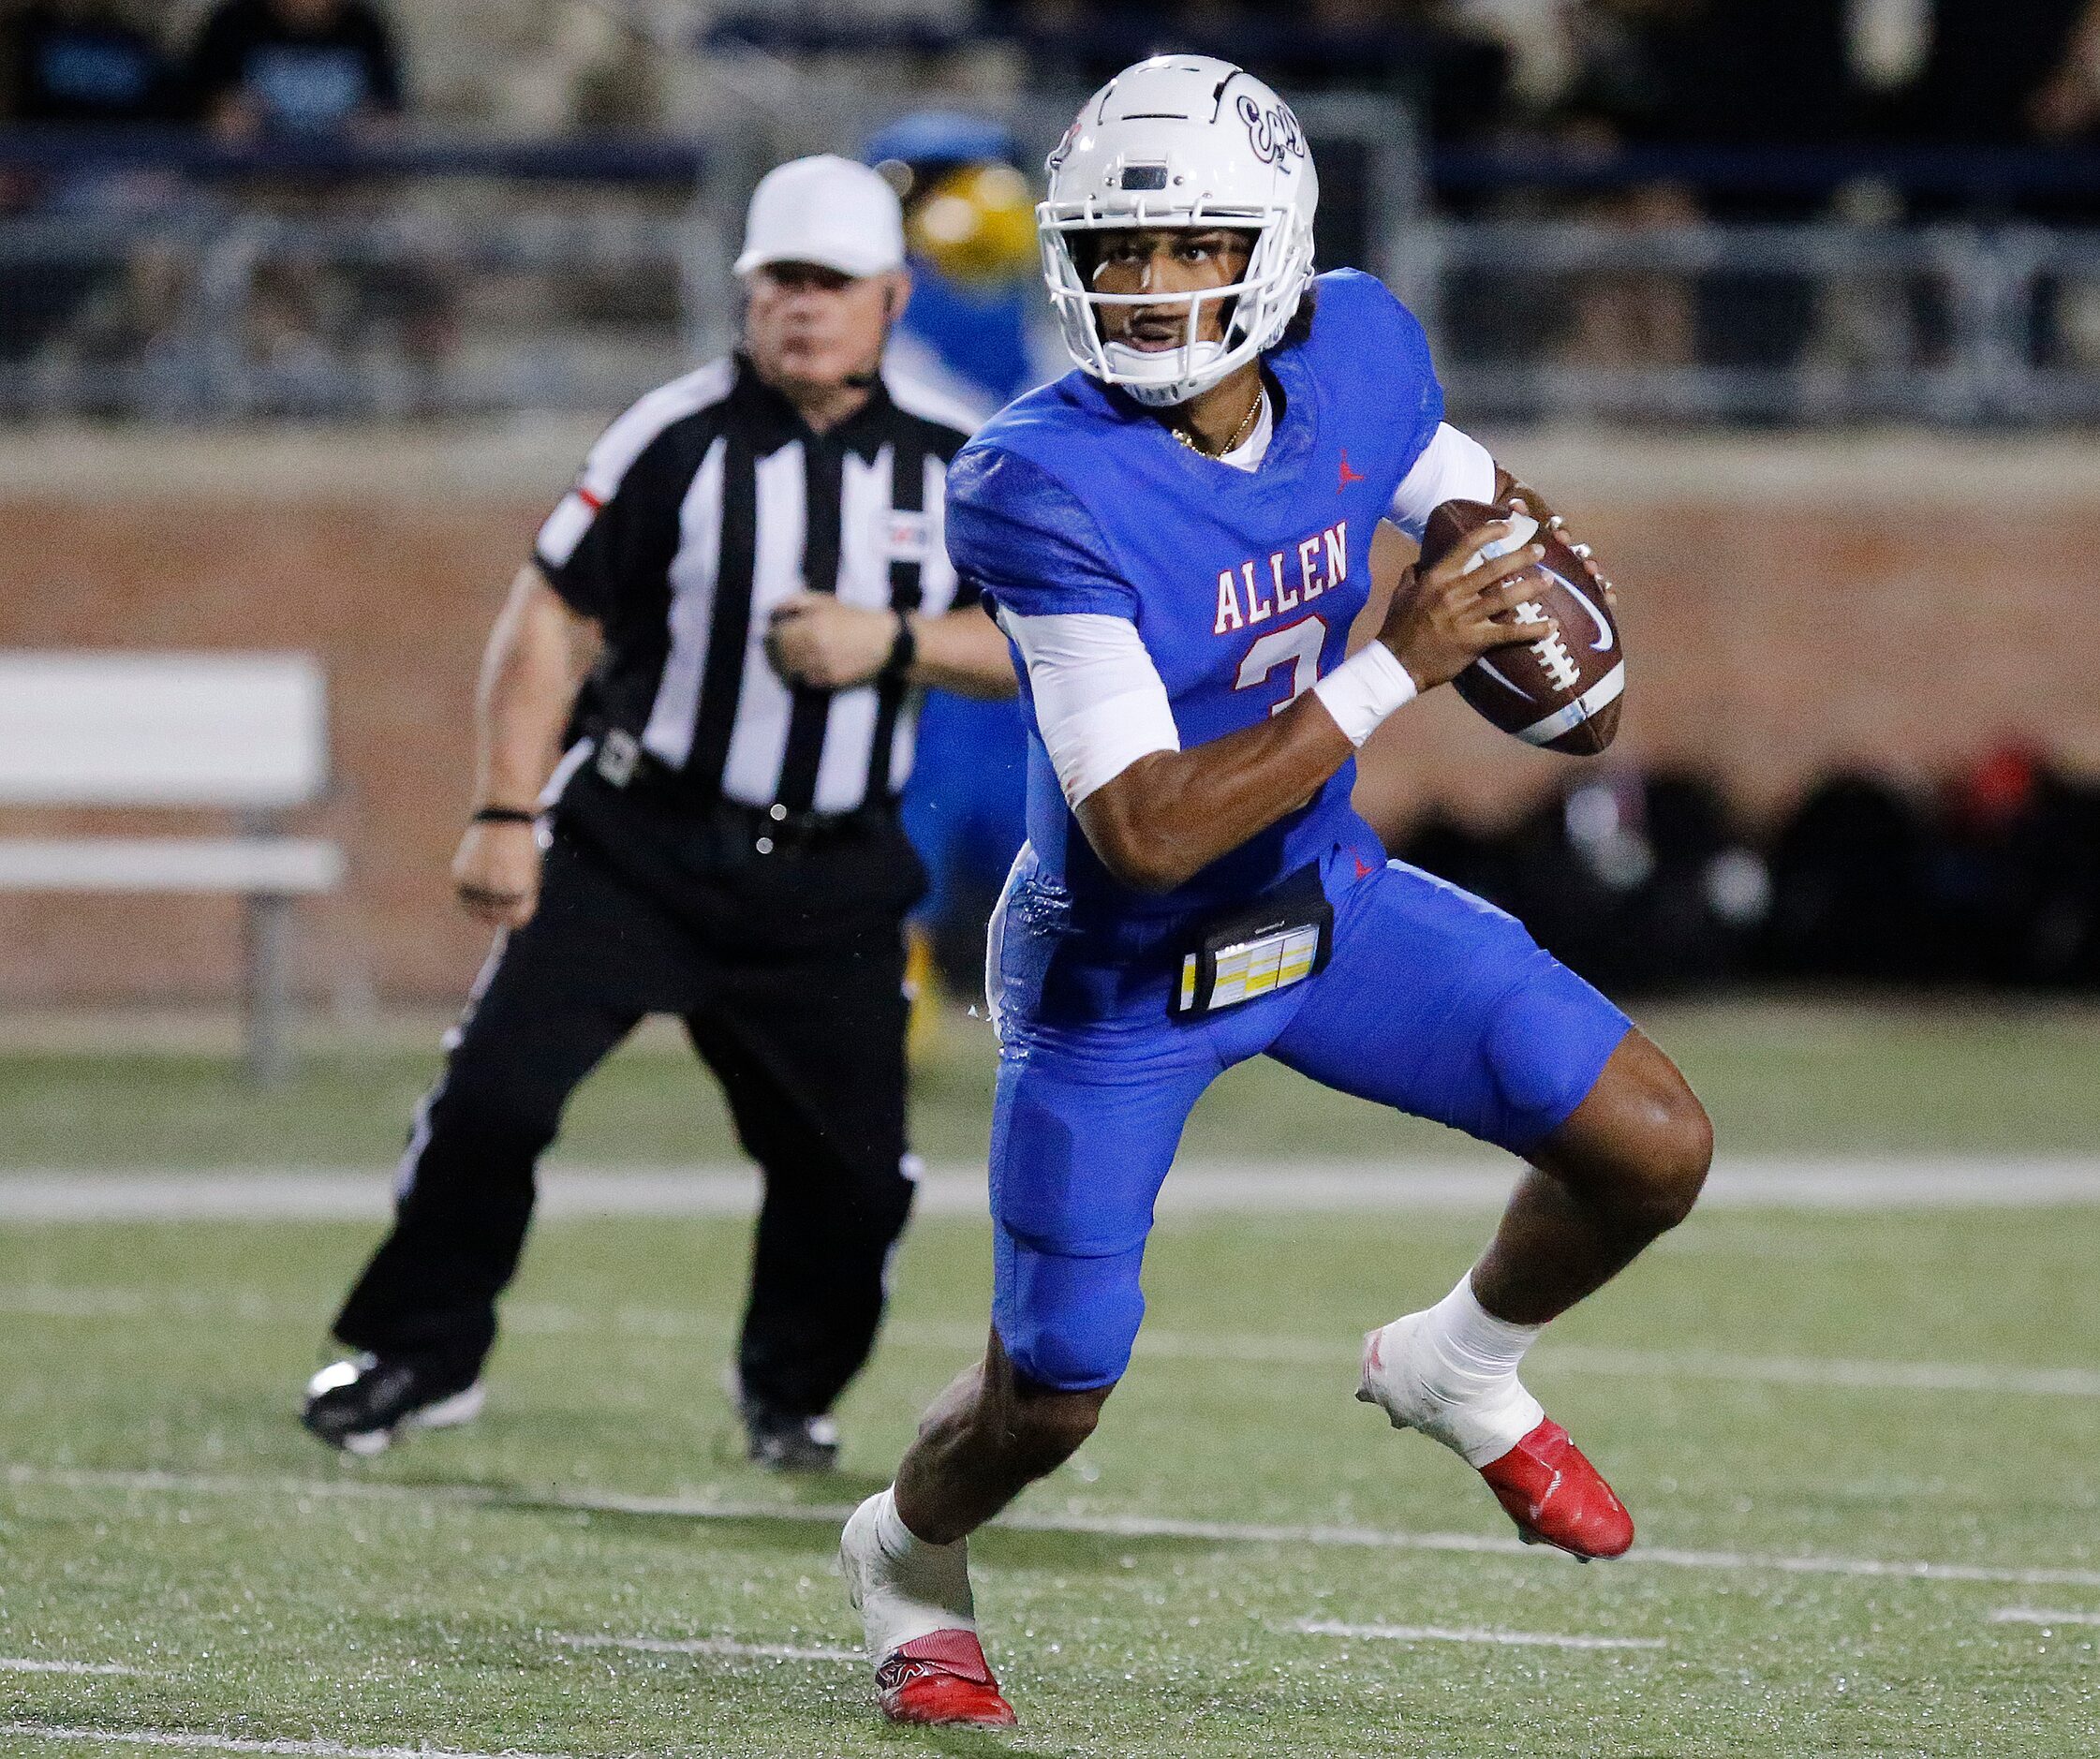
column 1242, row 584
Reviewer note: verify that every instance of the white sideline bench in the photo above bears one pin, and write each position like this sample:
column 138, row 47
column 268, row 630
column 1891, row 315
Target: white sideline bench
column 246, row 733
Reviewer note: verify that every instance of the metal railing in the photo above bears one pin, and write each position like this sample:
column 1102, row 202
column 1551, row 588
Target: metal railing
column 160, row 274
column 1947, row 324
column 407, row 314
column 440, row 278
column 174, row 277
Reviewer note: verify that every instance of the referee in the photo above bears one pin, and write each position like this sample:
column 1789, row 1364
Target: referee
column 757, row 548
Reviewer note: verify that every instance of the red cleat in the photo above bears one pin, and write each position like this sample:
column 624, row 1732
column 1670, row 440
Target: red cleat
column 942, row 1680
column 1556, row 1498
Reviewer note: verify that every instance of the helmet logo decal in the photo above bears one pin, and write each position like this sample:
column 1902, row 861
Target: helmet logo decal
column 1272, row 132
column 1059, row 153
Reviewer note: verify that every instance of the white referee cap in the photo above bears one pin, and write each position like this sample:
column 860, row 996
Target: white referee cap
column 825, row 210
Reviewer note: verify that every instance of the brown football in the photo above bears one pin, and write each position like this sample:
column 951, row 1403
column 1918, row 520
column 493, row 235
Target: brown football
column 1564, row 693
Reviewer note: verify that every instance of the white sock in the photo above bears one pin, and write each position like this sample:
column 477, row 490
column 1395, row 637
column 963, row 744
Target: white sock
column 1476, row 1350
column 890, row 1533
column 1450, row 1371
column 905, row 1587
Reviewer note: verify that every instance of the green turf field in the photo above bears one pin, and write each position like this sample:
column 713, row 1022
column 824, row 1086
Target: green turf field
column 1779, row 1080
column 161, row 1512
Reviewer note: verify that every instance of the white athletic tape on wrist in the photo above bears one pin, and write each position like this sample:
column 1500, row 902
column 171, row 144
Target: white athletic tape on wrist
column 1364, row 690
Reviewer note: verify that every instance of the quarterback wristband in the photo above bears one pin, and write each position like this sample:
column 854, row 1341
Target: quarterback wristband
column 1364, row 690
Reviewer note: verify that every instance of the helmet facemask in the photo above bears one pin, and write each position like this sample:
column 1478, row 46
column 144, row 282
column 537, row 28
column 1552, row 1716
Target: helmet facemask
column 1181, row 143
column 1262, row 301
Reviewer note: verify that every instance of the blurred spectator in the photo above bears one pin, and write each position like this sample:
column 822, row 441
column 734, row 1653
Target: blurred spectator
column 1618, row 94
column 1998, row 74
column 1643, row 883
column 1619, row 85
column 1455, row 77
column 1633, row 318
column 1847, row 883
column 320, row 69
column 2067, row 103
column 1640, row 883
column 1720, row 73
column 2013, row 884
column 1776, row 73
column 87, row 61
column 295, row 68
column 1538, row 36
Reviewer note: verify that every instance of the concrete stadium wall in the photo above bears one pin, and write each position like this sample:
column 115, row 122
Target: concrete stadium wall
column 1788, row 605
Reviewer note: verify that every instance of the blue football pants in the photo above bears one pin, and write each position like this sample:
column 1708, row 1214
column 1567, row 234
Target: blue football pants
column 1434, row 1002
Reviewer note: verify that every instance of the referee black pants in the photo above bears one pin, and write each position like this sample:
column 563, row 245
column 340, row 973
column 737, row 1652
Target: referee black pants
column 791, row 996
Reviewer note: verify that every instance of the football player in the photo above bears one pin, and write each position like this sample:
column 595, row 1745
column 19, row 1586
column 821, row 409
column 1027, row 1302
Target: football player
column 1175, row 539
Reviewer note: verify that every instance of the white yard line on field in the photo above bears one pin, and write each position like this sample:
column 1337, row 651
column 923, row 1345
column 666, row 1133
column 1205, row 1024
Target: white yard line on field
column 1154, row 1527
column 1913, row 1377
column 1447, row 1633
column 711, row 1645
column 99, row 1302
column 35, row 1665
column 2035, row 1616
column 1339, row 1354
column 1198, row 1188
column 1031, row 1521
column 230, row 1743
column 1227, row 1348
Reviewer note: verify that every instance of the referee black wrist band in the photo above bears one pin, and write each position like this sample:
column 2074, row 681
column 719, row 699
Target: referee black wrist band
column 503, row 815
column 904, row 651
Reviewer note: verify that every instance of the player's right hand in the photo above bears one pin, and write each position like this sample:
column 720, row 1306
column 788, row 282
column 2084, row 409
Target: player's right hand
column 1443, row 618
column 496, row 875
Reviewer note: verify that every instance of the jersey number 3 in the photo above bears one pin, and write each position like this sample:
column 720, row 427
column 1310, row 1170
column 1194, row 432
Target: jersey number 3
column 1297, row 645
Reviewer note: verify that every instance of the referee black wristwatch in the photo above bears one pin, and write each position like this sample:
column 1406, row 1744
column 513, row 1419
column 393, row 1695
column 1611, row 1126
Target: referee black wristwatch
column 904, row 652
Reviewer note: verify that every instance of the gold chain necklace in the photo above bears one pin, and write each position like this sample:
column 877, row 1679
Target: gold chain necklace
column 1239, row 433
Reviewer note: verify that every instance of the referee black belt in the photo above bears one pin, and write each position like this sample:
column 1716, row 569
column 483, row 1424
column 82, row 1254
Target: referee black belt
column 774, row 830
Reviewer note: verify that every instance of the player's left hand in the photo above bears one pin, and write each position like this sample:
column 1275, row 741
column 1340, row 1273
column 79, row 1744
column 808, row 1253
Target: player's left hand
column 812, row 639
column 1537, row 508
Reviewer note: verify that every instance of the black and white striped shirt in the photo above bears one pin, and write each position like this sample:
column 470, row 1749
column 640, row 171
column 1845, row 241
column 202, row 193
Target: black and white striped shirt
column 702, row 509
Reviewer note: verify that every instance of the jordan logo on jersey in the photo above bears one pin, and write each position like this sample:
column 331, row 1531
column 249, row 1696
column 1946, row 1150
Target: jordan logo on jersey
column 1264, row 588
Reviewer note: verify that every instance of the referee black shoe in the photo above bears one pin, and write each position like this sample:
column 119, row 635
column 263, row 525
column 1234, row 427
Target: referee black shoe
column 777, row 1442
column 360, row 1405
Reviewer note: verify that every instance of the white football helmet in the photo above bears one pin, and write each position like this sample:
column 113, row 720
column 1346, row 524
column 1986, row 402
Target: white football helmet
column 1193, row 141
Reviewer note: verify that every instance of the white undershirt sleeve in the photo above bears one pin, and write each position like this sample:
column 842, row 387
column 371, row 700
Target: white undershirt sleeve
column 1454, row 466
column 1100, row 703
